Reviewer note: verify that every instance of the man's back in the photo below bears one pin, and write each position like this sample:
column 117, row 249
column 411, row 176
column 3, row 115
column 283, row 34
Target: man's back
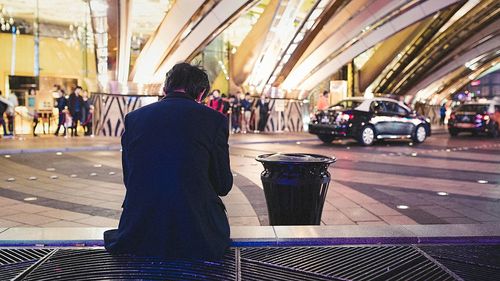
column 176, row 163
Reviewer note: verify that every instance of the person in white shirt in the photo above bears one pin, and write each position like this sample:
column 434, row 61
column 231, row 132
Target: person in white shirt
column 11, row 112
column 4, row 104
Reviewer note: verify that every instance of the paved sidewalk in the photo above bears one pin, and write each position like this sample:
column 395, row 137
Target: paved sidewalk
column 50, row 143
column 76, row 182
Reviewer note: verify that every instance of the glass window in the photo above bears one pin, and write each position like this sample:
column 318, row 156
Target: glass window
column 401, row 110
column 377, row 106
column 394, row 108
column 390, row 106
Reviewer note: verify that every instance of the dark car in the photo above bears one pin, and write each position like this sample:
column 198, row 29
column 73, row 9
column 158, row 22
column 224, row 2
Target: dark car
column 368, row 120
column 475, row 118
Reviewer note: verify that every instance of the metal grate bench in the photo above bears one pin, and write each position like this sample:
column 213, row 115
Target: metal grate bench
column 254, row 263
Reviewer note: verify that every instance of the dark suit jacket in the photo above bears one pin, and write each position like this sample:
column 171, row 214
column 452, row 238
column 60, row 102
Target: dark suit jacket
column 72, row 100
column 175, row 166
column 61, row 102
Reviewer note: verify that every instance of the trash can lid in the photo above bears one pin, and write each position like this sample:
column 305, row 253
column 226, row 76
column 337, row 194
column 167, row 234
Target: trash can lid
column 295, row 158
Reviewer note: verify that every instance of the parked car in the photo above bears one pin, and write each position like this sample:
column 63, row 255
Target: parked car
column 475, row 118
column 368, row 120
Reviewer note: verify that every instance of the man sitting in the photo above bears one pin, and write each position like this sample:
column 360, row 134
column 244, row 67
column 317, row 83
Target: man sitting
column 175, row 166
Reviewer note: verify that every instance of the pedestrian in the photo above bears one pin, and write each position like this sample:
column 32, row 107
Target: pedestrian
column 4, row 105
column 225, row 105
column 263, row 105
column 87, row 123
column 246, row 109
column 11, row 112
column 68, row 121
column 216, row 102
column 323, row 101
column 61, row 103
column 32, row 110
column 442, row 113
column 175, row 166
column 235, row 110
column 85, row 106
column 75, row 107
column 34, row 115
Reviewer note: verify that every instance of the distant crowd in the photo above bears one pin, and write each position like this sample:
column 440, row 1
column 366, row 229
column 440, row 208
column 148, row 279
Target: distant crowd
column 238, row 109
column 245, row 113
column 73, row 110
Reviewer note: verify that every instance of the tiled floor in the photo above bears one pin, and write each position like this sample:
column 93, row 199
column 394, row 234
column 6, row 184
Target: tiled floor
column 82, row 185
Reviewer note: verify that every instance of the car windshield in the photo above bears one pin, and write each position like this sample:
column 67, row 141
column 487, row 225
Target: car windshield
column 348, row 104
column 473, row 108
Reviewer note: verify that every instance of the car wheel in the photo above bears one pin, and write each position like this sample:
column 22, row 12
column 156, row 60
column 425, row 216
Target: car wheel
column 326, row 138
column 420, row 134
column 494, row 132
column 453, row 132
column 367, row 136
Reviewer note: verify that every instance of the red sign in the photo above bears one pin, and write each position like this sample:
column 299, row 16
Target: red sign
column 475, row 83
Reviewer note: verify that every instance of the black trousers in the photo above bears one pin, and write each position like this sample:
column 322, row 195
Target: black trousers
column 263, row 121
column 10, row 119
column 35, row 123
column 60, row 123
column 2, row 121
column 88, row 129
column 77, row 116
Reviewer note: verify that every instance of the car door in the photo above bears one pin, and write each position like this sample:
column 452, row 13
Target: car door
column 399, row 119
column 381, row 119
column 403, row 122
column 394, row 122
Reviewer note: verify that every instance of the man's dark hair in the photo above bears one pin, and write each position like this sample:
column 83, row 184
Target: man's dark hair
column 192, row 79
column 325, row 93
column 78, row 87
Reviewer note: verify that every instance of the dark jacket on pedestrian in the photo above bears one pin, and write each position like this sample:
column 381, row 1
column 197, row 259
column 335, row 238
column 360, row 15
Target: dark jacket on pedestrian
column 75, row 103
column 61, row 102
column 246, row 105
column 175, row 167
column 85, row 109
column 263, row 107
column 3, row 108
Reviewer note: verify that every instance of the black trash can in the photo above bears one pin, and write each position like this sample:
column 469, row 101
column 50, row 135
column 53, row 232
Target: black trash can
column 295, row 186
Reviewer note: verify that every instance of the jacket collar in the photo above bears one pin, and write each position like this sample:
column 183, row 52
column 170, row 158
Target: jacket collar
column 181, row 95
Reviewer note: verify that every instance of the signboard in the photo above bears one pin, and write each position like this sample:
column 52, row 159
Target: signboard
column 338, row 90
column 279, row 105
